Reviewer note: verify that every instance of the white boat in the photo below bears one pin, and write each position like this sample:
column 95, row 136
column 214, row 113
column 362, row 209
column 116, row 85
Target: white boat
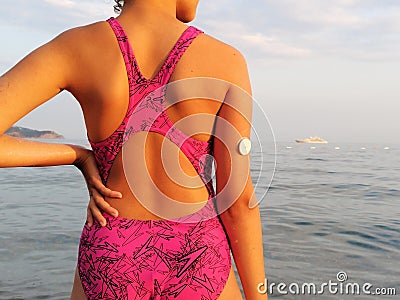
column 313, row 140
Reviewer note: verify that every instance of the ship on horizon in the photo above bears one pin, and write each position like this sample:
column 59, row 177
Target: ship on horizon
column 312, row 140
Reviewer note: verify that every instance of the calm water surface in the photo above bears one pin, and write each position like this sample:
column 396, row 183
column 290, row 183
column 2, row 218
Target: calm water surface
column 327, row 210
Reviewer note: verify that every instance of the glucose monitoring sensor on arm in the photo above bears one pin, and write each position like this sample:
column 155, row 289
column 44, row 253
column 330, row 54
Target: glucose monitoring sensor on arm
column 244, row 146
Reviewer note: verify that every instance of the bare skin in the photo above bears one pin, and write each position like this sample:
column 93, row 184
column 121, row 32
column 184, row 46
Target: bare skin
column 71, row 62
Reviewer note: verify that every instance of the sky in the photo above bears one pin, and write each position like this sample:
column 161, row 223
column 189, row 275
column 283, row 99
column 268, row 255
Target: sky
column 317, row 67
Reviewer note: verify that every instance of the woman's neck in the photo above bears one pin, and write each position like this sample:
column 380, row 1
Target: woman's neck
column 150, row 10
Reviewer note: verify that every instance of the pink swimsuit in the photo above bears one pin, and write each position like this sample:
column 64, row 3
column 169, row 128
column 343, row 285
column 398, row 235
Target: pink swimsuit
column 183, row 258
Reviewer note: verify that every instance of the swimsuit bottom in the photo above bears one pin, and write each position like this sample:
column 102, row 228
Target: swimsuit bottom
column 154, row 259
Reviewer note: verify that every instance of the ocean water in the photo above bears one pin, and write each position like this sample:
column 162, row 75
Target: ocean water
column 327, row 211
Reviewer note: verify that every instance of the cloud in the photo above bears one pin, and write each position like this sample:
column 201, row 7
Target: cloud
column 272, row 45
column 265, row 29
column 254, row 43
column 62, row 3
column 355, row 29
column 53, row 16
column 322, row 13
column 367, row 30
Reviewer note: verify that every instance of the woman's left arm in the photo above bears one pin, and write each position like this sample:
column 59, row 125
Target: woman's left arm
column 33, row 81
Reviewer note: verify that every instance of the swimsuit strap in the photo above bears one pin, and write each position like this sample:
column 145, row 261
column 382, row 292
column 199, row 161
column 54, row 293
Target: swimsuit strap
column 139, row 86
column 163, row 75
column 177, row 51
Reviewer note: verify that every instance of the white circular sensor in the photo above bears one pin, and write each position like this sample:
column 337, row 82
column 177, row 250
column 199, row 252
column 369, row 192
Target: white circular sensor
column 244, row 146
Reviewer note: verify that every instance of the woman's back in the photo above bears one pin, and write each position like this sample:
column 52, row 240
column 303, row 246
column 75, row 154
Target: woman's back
column 102, row 88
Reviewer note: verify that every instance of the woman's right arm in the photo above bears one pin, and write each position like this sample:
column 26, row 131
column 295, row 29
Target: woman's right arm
column 34, row 80
column 236, row 200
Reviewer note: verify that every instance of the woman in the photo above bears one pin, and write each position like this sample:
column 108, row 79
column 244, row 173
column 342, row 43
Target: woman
column 165, row 234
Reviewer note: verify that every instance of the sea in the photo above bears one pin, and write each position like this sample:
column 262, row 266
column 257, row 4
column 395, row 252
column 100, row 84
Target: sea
column 330, row 218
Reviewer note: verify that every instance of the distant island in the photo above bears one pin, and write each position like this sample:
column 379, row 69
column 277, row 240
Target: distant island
column 22, row 132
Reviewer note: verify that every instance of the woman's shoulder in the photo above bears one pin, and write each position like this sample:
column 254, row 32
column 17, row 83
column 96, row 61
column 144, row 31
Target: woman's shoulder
column 208, row 44
column 82, row 35
column 226, row 60
column 209, row 54
column 222, row 49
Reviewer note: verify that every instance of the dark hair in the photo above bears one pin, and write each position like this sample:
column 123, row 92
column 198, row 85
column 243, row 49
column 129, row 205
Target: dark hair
column 118, row 6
